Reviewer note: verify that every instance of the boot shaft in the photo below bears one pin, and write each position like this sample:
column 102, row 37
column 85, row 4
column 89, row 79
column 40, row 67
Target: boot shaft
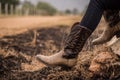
column 76, row 40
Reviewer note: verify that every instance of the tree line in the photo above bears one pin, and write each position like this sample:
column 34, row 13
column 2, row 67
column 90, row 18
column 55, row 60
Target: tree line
column 28, row 8
column 44, row 8
column 41, row 8
column 3, row 4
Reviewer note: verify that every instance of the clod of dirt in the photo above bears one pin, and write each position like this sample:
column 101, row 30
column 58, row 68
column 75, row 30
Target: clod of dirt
column 106, row 65
column 100, row 60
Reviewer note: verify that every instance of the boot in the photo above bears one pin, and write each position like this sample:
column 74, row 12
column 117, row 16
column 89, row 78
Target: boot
column 72, row 46
column 107, row 34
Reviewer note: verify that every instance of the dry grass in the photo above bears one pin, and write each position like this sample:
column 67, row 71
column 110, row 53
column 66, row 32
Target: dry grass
column 16, row 25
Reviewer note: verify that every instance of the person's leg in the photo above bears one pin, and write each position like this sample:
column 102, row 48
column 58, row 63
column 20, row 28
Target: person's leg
column 111, row 14
column 78, row 35
column 112, row 18
column 95, row 10
column 93, row 14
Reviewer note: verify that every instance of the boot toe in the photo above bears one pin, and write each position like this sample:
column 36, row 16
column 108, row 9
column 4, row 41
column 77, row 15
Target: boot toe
column 42, row 59
column 52, row 61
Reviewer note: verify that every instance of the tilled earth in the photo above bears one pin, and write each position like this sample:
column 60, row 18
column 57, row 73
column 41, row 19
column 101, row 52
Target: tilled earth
column 18, row 62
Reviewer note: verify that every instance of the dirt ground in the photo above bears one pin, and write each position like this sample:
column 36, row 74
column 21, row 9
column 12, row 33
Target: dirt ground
column 17, row 52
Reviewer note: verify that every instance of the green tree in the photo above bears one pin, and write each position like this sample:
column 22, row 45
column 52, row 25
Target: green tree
column 15, row 2
column 9, row 2
column 67, row 11
column 27, row 5
column 46, row 7
column 28, row 8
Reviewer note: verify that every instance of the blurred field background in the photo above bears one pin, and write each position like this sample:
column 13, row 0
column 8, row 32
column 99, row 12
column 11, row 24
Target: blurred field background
column 17, row 16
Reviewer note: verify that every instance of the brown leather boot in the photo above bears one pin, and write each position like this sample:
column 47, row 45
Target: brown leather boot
column 107, row 34
column 73, row 45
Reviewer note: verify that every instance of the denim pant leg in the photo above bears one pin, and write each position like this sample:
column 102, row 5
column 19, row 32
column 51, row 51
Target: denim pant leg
column 95, row 10
column 93, row 14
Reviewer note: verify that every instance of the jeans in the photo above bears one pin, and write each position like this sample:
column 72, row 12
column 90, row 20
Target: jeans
column 95, row 10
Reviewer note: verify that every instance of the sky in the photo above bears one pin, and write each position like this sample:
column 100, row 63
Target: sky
column 65, row 4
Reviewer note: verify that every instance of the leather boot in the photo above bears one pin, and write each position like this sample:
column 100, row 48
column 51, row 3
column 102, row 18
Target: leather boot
column 107, row 34
column 72, row 46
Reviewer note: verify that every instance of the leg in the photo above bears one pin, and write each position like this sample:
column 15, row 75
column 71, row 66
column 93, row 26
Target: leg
column 113, row 27
column 93, row 14
column 95, row 11
column 78, row 35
